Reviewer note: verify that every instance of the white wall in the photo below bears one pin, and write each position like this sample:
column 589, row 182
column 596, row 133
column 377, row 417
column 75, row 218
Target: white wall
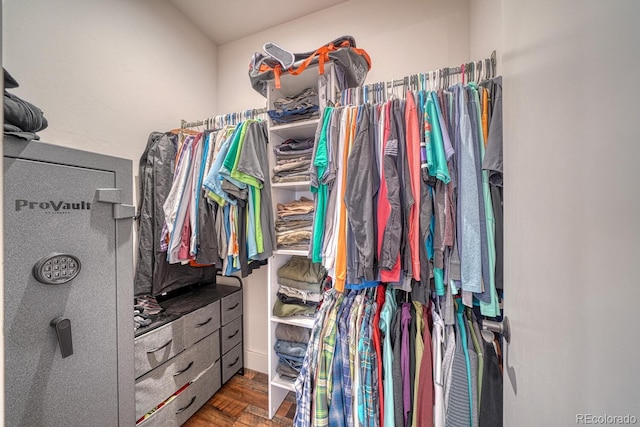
column 402, row 37
column 107, row 73
column 485, row 30
column 572, row 239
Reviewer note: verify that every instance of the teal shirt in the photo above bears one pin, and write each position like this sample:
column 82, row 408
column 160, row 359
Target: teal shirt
column 321, row 162
column 438, row 162
column 386, row 314
column 463, row 337
column 230, row 158
column 490, row 309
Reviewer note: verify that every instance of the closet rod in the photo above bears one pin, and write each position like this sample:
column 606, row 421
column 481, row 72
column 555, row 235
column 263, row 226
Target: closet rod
column 252, row 113
column 445, row 71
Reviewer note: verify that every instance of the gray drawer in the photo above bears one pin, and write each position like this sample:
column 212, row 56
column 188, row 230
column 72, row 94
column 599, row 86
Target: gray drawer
column 200, row 323
column 156, row 386
column 179, row 410
column 231, row 335
column 231, row 363
column 231, row 307
column 164, row 417
column 157, row 346
column 197, row 394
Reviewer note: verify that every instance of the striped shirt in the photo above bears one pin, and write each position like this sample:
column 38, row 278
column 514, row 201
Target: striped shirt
column 304, row 384
column 325, row 364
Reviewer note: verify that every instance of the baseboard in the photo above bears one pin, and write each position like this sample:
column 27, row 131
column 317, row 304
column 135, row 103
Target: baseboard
column 256, row 361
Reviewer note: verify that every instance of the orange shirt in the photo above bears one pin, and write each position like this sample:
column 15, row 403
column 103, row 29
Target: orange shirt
column 413, row 157
column 341, row 253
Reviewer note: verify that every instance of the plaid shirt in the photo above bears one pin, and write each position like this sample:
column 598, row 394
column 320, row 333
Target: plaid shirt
column 304, row 383
column 355, row 320
column 336, row 403
column 325, row 364
column 367, row 356
column 344, row 350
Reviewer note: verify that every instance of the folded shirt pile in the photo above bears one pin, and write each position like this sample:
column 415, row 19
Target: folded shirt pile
column 293, row 159
column 301, row 284
column 290, row 347
column 301, row 106
column 294, row 223
column 21, row 118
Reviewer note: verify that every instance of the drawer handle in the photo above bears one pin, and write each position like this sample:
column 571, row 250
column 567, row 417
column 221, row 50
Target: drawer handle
column 184, row 370
column 193, row 399
column 234, row 362
column 160, row 348
column 234, row 334
column 235, row 306
column 199, row 325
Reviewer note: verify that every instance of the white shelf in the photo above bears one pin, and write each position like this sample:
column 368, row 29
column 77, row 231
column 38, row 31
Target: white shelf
column 305, row 322
column 291, row 85
column 278, row 381
column 284, row 192
column 293, row 186
column 296, row 130
column 298, row 252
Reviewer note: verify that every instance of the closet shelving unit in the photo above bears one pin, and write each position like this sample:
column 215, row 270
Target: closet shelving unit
column 287, row 192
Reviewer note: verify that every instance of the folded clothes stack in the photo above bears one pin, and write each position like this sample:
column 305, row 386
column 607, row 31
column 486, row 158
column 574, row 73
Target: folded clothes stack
column 294, row 224
column 301, row 106
column 21, row 118
column 291, row 346
column 144, row 310
column 293, row 159
column 301, row 284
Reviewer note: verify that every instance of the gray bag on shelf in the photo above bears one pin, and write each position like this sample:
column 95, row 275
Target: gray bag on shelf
column 351, row 64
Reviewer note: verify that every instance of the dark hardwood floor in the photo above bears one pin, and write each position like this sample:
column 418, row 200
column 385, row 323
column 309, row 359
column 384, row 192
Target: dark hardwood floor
column 242, row 402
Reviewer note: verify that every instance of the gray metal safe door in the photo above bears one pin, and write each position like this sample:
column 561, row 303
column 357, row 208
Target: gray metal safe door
column 51, row 209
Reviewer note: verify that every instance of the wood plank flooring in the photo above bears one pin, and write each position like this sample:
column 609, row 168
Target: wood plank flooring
column 243, row 401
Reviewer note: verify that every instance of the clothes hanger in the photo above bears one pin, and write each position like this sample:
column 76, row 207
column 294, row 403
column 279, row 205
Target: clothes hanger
column 188, row 131
column 493, row 64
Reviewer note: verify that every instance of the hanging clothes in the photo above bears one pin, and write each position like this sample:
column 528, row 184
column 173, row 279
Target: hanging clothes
column 408, row 220
column 154, row 275
column 205, row 204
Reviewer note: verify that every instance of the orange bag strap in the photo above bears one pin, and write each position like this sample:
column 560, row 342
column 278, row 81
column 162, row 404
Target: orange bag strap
column 364, row 53
column 359, row 51
column 323, row 56
column 277, row 72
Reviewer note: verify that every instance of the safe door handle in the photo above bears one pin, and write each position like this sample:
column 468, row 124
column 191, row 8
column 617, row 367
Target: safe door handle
column 199, row 325
column 184, row 370
column 160, row 348
column 62, row 327
column 193, row 399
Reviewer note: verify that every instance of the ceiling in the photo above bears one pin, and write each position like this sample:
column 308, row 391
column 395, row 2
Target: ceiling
column 225, row 21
